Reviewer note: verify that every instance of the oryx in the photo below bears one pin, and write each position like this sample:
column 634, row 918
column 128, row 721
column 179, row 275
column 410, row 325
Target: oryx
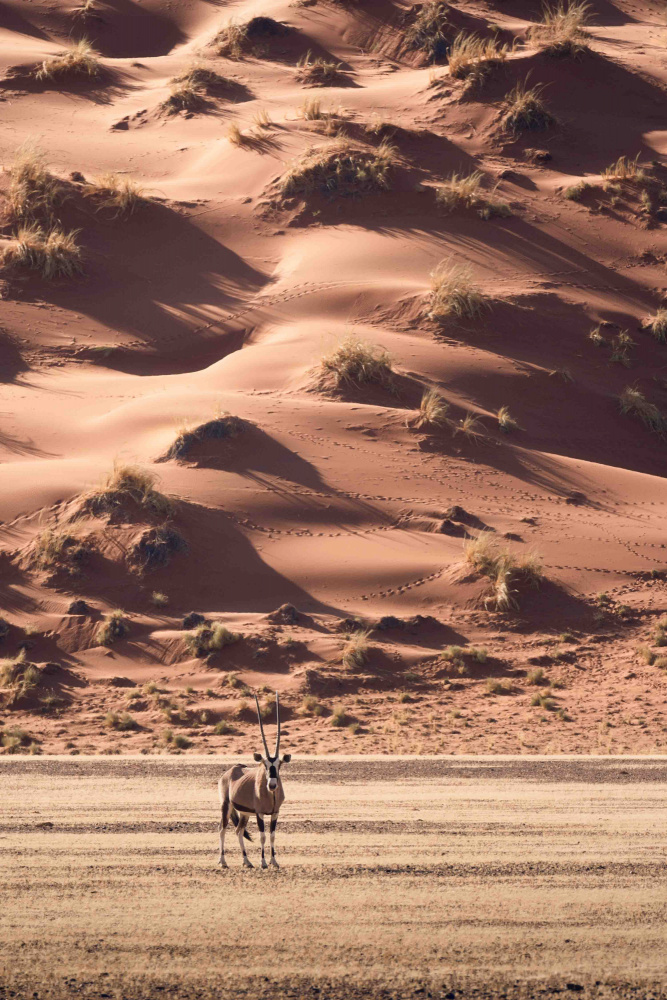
column 257, row 790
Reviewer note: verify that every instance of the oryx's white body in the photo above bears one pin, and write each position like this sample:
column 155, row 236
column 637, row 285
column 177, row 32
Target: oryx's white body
column 246, row 790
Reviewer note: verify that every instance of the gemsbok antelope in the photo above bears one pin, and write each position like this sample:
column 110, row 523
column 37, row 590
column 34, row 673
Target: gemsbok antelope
column 259, row 790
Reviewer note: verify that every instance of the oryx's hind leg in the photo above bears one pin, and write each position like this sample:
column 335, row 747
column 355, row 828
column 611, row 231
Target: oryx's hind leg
column 224, row 820
column 240, row 831
column 274, row 823
column 262, row 837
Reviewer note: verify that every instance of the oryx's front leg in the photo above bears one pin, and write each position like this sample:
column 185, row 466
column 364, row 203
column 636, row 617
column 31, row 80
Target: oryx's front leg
column 243, row 822
column 274, row 823
column 224, row 820
column 262, row 837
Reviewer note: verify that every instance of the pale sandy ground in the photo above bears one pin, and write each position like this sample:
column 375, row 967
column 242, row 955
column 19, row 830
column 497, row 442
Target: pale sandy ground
column 400, row 877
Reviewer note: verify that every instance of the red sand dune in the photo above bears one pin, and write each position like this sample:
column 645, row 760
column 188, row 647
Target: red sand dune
column 217, row 295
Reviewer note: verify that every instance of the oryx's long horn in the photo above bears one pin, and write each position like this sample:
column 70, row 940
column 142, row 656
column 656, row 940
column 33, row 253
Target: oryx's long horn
column 278, row 722
column 261, row 727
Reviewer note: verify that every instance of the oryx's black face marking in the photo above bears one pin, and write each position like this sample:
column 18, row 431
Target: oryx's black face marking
column 272, row 767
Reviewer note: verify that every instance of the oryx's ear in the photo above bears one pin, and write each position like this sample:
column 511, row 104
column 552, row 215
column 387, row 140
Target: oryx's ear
column 257, row 757
column 287, row 758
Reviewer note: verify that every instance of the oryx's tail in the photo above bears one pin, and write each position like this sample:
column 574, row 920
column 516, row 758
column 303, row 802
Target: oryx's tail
column 235, row 820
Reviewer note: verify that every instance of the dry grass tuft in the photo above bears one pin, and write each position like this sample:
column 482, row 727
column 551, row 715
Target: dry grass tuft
column 127, row 484
column 504, row 570
column 311, row 706
column 123, row 722
column 657, row 325
column 53, row 252
column 80, row 60
column 471, row 426
column 33, row 190
column 232, row 40
column 453, row 293
column 19, row 678
column 249, row 38
column 207, row 639
column 472, row 57
column 464, row 191
column 561, row 30
column 222, row 428
column 59, row 550
column 339, row 717
column 506, row 421
column 235, row 135
column 355, row 650
column 634, row 403
column 525, row 110
column 356, row 362
column 317, row 72
column 121, row 194
column 624, row 169
column 341, row 168
column 433, row 410
column 428, row 30
column 115, row 626
column 185, row 94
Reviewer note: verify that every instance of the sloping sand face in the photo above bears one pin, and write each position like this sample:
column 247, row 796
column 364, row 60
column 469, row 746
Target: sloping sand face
column 399, row 878
column 211, row 205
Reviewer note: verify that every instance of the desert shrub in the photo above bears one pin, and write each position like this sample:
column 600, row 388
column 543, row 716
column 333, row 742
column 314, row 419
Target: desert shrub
column 114, row 626
column 59, row 549
column 221, row 428
column 428, row 30
column 122, row 722
column 646, row 654
column 121, row 194
column 356, row 362
column 505, row 571
column 317, row 72
column 577, row 191
column 19, row 677
column 223, row 728
column 472, row 57
column 340, row 168
column 355, row 650
column 311, row 705
column 543, row 700
column 624, row 169
column 453, row 293
column 506, row 421
column 184, row 95
column 33, row 190
column 125, row 484
column 159, row 600
column 433, row 410
column 525, row 109
column 209, row 638
column 470, row 425
column 494, row 686
column 339, row 717
column 657, row 325
column 237, row 40
column 635, row 404
column 53, row 252
column 561, row 30
column 80, row 60
column 156, row 546
column 14, row 739
column 180, row 742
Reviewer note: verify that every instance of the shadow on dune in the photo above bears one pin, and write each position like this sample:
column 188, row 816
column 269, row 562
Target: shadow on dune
column 12, row 20
column 107, row 87
column 156, row 276
column 123, row 30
